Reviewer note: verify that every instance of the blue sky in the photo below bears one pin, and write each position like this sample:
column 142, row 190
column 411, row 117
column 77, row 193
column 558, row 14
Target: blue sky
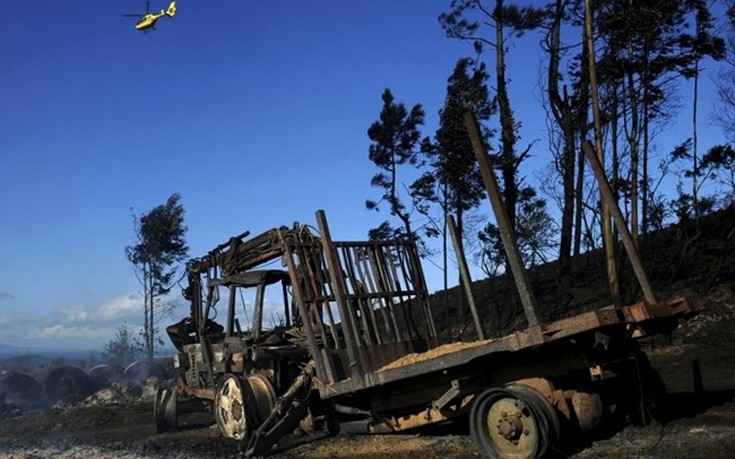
column 255, row 112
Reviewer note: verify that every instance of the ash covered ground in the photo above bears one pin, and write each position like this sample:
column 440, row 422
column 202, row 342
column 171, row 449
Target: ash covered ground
column 116, row 420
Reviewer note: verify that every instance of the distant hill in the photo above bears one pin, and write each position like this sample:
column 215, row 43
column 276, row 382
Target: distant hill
column 7, row 351
column 40, row 361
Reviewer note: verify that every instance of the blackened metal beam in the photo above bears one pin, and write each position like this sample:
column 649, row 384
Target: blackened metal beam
column 520, row 276
column 346, row 313
column 465, row 273
column 609, row 199
column 324, row 367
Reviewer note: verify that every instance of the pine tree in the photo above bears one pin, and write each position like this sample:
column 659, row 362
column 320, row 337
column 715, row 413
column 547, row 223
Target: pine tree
column 395, row 142
column 160, row 246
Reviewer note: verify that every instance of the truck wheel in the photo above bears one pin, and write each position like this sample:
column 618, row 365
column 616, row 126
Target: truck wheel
column 165, row 410
column 229, row 408
column 511, row 424
column 543, row 411
column 264, row 396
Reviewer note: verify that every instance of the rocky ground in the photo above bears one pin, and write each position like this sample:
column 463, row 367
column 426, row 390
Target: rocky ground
column 698, row 419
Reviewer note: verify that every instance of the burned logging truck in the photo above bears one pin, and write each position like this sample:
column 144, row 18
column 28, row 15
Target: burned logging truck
column 353, row 346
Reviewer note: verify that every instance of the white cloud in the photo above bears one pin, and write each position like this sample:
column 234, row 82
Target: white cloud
column 80, row 326
column 120, row 306
column 74, row 313
column 114, row 310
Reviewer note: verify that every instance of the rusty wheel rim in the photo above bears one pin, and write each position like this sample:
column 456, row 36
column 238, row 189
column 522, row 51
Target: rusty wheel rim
column 505, row 426
column 229, row 408
column 512, row 428
column 165, row 410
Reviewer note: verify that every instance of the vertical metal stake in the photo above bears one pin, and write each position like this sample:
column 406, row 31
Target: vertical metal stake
column 617, row 215
column 345, row 311
column 465, row 273
column 520, row 276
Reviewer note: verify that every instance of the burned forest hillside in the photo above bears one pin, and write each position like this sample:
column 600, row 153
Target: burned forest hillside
column 690, row 257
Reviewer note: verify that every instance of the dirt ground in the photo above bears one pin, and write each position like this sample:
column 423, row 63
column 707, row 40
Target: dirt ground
column 698, row 419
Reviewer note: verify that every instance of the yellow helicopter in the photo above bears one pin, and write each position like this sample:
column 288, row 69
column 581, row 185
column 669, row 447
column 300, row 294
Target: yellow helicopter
column 148, row 20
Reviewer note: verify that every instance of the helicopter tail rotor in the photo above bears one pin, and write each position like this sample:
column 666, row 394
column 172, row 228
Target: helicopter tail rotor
column 171, row 10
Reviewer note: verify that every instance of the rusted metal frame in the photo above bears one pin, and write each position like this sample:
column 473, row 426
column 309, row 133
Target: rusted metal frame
column 324, row 366
column 451, row 393
column 603, row 317
column 384, row 268
column 310, row 255
column 404, row 297
column 465, row 273
column 394, row 281
column 644, row 311
column 394, row 299
column 363, row 301
column 375, row 243
column 246, row 254
column 286, row 306
column 195, row 290
column 412, row 297
column 647, row 319
column 457, row 388
column 206, row 348
column 424, row 417
column 361, row 323
column 314, row 296
column 349, row 330
column 231, row 305
column 415, row 289
column 364, row 268
column 520, row 275
column 382, row 292
column 239, row 237
column 461, row 361
column 610, row 320
column 394, row 287
column 257, row 325
column 206, row 393
column 377, row 270
column 581, row 323
column 211, row 297
column 609, row 199
column 289, row 404
column 232, row 327
column 321, row 282
column 368, row 297
column 420, row 288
